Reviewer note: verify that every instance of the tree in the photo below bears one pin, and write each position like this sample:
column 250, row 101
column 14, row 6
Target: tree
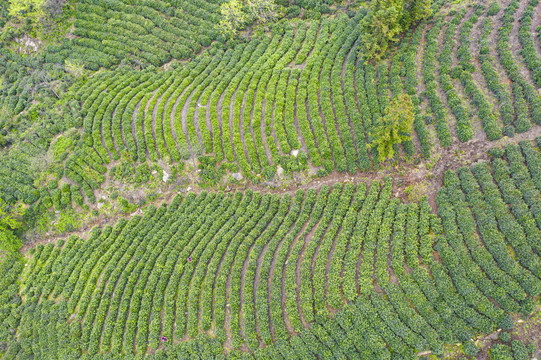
column 54, row 8
column 10, row 219
column 232, row 18
column 415, row 10
column 262, row 10
column 26, row 9
column 9, row 242
column 386, row 19
column 393, row 128
column 381, row 26
column 10, row 215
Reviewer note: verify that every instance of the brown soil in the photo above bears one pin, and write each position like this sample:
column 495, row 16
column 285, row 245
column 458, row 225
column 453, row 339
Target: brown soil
column 527, row 329
column 172, row 117
column 269, row 284
column 134, row 115
column 494, row 36
column 403, row 173
column 241, row 121
column 296, row 118
column 219, row 112
column 251, row 122
column 419, row 61
column 536, row 22
column 231, row 121
column 184, row 116
column 154, row 114
column 478, row 78
column 262, row 129
column 198, row 107
column 144, row 118
column 515, row 44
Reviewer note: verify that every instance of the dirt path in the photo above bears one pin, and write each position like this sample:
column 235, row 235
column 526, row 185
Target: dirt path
column 515, row 44
column 405, row 172
column 154, row 114
column 103, row 140
column 309, row 119
column 494, row 36
column 297, row 263
column 173, row 119
column 184, row 118
column 242, row 323
column 296, row 118
column 133, row 118
column 478, row 78
column 231, row 121
column 198, row 107
column 219, row 115
column 264, row 139
column 329, row 264
column 209, row 126
column 419, row 62
column 331, row 99
column 241, row 120
column 251, row 123
column 298, row 268
column 121, row 117
column 536, row 23
column 115, row 142
column 342, row 87
column 144, row 118
column 287, row 322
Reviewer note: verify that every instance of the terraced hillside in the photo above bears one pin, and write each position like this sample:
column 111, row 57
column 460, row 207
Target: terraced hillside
column 193, row 197
column 108, row 33
column 262, row 273
column 303, row 97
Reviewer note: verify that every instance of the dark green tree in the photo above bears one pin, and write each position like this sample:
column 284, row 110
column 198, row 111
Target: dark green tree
column 386, row 19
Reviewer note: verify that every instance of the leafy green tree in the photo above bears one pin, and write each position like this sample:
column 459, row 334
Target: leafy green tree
column 9, row 242
column 26, row 9
column 386, row 19
column 414, row 11
column 10, row 215
column 263, row 11
column 393, row 128
column 381, row 26
column 10, row 219
column 233, row 18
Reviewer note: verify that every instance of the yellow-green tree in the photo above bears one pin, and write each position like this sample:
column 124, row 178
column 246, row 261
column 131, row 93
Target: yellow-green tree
column 263, row 11
column 393, row 128
column 233, row 18
column 26, row 9
column 10, row 220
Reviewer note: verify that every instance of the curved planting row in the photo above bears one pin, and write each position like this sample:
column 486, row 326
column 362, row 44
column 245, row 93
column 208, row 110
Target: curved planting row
column 305, row 95
column 109, row 33
column 282, row 101
column 254, row 271
column 466, row 69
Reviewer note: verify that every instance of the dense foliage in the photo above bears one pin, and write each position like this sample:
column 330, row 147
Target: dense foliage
column 242, row 270
column 109, row 119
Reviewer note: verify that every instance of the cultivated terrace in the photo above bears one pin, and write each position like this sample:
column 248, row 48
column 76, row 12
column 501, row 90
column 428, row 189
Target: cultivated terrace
column 270, row 179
